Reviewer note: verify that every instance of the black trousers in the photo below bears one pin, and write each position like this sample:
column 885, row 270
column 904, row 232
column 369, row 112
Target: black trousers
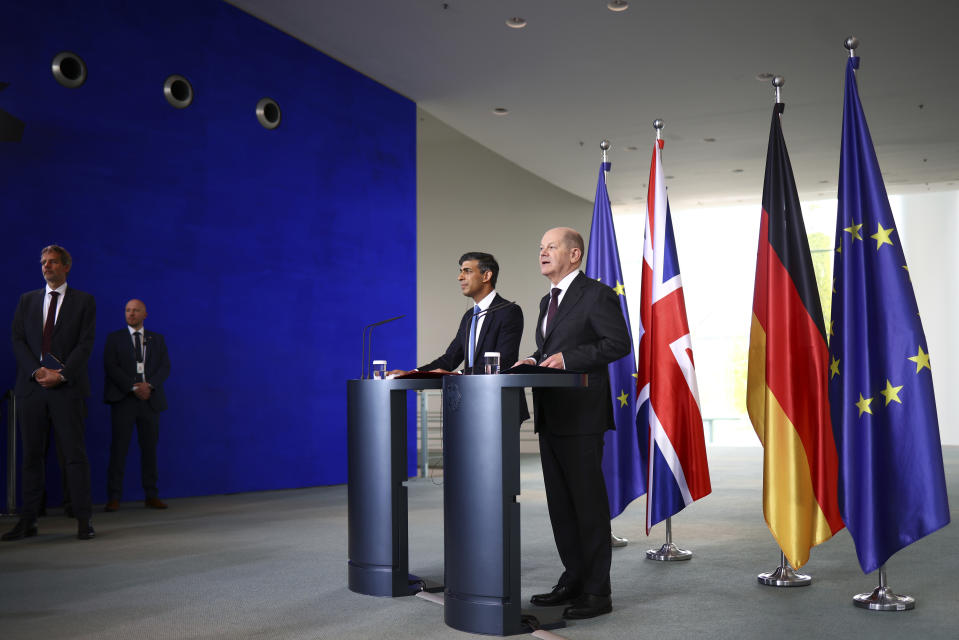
column 123, row 416
column 39, row 411
column 578, row 509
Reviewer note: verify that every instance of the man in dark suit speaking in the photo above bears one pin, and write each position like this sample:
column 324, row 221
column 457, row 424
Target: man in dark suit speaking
column 136, row 365
column 581, row 328
column 52, row 335
column 492, row 324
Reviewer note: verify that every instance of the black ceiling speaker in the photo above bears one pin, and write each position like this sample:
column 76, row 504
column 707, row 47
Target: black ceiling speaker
column 11, row 127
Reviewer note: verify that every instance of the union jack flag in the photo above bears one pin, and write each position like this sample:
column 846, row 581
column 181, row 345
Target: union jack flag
column 666, row 390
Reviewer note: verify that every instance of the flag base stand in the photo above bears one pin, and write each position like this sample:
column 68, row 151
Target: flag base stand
column 882, row 597
column 615, row 541
column 784, row 576
column 669, row 551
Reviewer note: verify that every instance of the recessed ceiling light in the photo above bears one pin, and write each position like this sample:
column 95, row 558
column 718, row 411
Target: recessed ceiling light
column 824, row 182
column 737, row 170
column 617, row 5
column 709, row 139
column 516, row 23
column 764, row 77
column 632, row 148
column 501, row 111
column 670, row 177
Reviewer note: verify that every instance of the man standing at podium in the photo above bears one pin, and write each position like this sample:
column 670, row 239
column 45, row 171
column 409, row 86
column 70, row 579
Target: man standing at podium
column 580, row 328
column 491, row 324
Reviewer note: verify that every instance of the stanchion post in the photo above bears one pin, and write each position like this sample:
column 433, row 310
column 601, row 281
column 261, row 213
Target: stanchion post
column 424, row 433
column 11, row 506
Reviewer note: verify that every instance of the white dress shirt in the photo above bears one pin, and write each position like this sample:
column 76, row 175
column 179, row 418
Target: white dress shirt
column 562, row 286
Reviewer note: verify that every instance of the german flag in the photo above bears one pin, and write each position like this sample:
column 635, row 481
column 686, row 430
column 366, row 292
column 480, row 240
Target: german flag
column 787, row 394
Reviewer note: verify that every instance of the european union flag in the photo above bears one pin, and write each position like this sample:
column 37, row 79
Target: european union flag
column 892, row 488
column 622, row 467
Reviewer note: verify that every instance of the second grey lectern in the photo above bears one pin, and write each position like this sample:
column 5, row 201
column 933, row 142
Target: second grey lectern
column 481, row 518
column 376, row 497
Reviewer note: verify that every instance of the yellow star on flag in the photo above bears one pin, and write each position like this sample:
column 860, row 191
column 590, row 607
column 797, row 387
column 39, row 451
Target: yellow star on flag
column 921, row 359
column 882, row 237
column 830, row 328
column 854, row 231
column 619, row 288
column 891, row 393
column 623, row 398
column 839, row 248
column 863, row 405
column 834, row 368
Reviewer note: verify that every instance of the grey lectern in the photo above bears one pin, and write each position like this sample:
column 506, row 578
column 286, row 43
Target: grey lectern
column 377, row 500
column 480, row 484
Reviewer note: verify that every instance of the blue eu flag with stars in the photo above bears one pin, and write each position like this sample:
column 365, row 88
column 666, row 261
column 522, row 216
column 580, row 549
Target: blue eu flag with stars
column 892, row 488
column 623, row 468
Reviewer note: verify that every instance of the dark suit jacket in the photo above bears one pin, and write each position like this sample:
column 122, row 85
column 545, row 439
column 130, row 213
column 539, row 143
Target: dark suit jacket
column 590, row 331
column 72, row 342
column 502, row 330
column 120, row 366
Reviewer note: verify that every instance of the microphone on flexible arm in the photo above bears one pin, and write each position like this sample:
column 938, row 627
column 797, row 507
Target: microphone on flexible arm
column 369, row 329
column 495, row 307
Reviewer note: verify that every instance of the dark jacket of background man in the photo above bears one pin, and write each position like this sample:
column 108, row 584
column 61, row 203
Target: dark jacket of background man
column 62, row 404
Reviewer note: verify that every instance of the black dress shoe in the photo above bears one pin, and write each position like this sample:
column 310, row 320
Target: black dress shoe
column 23, row 529
column 85, row 530
column 588, row 606
column 561, row 594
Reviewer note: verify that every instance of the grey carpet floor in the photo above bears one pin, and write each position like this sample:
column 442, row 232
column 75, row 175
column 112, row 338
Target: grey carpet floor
column 273, row 565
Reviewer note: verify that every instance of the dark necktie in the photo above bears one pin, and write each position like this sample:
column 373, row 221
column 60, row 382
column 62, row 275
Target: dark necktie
column 553, row 305
column 139, row 347
column 48, row 326
column 472, row 345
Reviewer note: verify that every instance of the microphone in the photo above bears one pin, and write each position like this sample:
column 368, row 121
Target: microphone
column 495, row 307
column 368, row 329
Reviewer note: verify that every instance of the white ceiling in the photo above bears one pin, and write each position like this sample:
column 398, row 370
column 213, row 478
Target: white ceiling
column 579, row 73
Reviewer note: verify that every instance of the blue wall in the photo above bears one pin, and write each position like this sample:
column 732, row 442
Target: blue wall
column 260, row 254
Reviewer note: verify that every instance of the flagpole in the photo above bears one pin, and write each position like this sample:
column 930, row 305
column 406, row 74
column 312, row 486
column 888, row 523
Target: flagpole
column 614, row 540
column 882, row 598
column 783, row 575
column 669, row 551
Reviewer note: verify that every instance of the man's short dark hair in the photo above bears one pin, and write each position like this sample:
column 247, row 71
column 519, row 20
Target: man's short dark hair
column 485, row 262
column 65, row 258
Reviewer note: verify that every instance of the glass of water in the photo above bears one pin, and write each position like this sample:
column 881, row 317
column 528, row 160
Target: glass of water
column 491, row 362
column 379, row 369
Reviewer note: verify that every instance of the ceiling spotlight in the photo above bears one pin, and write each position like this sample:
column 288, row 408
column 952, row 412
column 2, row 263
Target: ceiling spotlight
column 500, row 111
column 516, row 23
column 709, row 139
column 765, row 77
column 737, row 170
column 617, row 5
column 632, row 148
